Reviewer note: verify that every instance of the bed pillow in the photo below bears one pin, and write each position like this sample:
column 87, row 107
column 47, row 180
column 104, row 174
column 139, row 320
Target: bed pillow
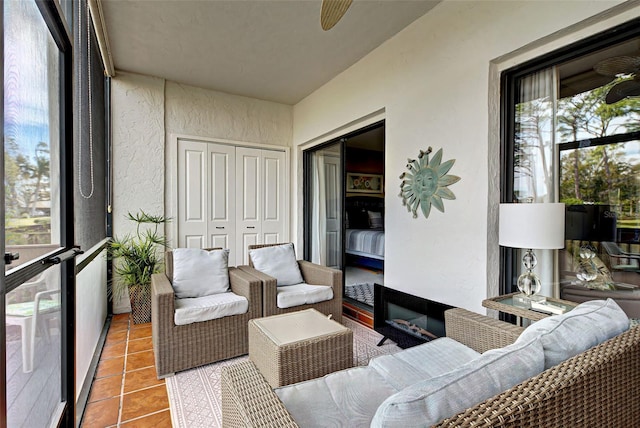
column 198, row 273
column 375, row 220
column 278, row 261
column 585, row 326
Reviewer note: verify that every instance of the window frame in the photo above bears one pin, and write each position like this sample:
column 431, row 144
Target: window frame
column 54, row 19
column 508, row 89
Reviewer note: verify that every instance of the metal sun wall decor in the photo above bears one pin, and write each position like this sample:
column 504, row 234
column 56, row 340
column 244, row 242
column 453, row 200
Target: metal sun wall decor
column 426, row 183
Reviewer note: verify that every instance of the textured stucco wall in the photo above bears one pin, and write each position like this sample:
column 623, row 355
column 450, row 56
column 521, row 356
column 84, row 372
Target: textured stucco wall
column 137, row 111
column 138, row 141
column 436, row 84
column 199, row 112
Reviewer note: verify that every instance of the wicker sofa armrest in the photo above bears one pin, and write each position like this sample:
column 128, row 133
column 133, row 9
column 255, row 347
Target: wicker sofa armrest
column 162, row 310
column 246, row 285
column 479, row 332
column 269, row 288
column 321, row 275
column 162, row 299
column 249, row 401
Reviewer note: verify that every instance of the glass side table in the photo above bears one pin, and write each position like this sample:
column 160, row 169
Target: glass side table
column 511, row 304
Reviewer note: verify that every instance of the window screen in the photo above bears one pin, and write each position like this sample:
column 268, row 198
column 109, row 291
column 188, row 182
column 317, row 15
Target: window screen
column 90, row 144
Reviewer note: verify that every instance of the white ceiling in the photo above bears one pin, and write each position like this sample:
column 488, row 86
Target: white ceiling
column 266, row 49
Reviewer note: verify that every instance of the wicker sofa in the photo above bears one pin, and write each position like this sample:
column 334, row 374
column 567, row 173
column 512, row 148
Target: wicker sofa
column 598, row 387
column 181, row 347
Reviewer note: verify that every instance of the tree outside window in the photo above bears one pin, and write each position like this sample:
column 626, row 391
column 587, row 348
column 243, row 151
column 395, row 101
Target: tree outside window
column 576, row 139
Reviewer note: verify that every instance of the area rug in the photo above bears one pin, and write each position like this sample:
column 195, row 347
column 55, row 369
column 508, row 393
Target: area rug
column 195, row 397
column 360, row 292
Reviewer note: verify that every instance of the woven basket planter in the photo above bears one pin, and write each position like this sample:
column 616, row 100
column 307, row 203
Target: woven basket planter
column 140, row 299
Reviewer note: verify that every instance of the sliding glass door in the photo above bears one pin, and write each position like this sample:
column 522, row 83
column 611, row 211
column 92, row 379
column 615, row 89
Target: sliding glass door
column 37, row 288
column 323, row 204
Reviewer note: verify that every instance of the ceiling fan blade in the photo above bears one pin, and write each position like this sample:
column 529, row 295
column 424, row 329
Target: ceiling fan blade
column 622, row 90
column 332, row 11
column 618, row 65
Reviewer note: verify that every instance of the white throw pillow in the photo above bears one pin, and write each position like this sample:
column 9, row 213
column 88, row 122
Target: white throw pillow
column 198, row 273
column 585, row 326
column 428, row 402
column 278, row 261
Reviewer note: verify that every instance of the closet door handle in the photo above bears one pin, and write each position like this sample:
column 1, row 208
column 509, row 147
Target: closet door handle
column 251, row 227
column 219, row 227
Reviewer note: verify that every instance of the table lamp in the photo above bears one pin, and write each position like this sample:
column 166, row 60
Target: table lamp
column 531, row 226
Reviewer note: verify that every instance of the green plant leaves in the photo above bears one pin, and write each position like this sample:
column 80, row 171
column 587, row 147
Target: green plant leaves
column 138, row 256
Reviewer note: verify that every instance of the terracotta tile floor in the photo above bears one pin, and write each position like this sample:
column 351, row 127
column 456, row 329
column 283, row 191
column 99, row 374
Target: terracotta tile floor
column 126, row 391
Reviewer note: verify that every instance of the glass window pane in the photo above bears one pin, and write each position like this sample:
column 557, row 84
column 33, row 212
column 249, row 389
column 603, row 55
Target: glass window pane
column 602, row 175
column 32, row 133
column 574, row 142
column 598, row 94
column 534, row 139
column 32, row 214
column 33, row 351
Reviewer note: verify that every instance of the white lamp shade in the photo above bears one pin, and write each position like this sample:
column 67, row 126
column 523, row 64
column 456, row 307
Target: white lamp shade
column 532, row 226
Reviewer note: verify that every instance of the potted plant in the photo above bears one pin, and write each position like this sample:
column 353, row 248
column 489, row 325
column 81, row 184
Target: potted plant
column 136, row 257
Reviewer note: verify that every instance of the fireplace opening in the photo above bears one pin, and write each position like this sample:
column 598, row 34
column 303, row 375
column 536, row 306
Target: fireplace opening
column 406, row 319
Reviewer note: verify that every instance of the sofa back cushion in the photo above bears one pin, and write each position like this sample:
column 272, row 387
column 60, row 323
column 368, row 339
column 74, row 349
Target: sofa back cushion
column 430, row 401
column 198, row 273
column 585, row 326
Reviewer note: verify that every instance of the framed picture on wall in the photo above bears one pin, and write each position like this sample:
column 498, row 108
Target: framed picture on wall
column 364, row 183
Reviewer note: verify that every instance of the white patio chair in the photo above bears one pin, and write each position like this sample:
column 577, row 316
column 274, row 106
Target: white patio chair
column 34, row 314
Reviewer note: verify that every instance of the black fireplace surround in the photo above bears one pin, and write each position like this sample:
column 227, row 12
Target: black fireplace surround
column 406, row 319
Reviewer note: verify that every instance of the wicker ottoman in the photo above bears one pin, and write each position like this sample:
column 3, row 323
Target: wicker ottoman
column 297, row 346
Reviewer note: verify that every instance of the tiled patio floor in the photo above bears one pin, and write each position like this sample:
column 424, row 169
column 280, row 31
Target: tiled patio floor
column 126, row 391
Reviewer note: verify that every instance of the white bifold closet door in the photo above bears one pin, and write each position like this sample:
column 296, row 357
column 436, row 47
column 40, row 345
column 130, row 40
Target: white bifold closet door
column 230, row 197
column 260, row 198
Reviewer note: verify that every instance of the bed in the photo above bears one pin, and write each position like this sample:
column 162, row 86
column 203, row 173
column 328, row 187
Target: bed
column 364, row 238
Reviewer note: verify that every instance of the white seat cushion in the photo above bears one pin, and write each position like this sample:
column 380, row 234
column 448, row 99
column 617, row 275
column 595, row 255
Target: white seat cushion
column 422, row 362
column 347, row 398
column 302, row 294
column 585, row 326
column 210, row 307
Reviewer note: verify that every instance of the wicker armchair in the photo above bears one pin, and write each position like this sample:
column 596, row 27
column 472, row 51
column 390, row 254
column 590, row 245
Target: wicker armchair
column 312, row 274
column 593, row 389
column 181, row 347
